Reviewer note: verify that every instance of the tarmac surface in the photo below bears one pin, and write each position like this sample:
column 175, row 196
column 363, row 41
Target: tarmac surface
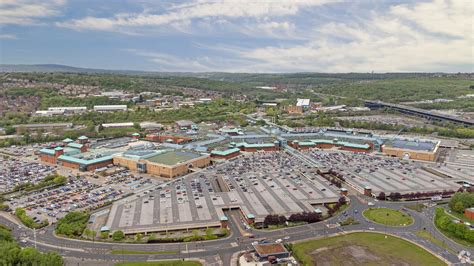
column 89, row 251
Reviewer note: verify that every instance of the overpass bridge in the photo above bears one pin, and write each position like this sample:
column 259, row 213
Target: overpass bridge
column 419, row 112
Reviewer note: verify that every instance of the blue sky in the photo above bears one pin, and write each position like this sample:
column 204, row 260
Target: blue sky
column 241, row 35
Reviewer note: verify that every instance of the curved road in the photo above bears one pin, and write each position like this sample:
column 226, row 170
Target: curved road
column 219, row 252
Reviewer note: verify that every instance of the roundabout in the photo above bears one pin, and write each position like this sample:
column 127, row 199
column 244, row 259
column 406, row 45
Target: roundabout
column 388, row 217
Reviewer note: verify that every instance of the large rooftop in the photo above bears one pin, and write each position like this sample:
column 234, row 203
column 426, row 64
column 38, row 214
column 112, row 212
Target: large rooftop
column 416, row 145
column 173, row 157
column 140, row 154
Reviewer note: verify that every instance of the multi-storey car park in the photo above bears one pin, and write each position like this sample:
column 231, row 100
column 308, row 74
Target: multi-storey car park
column 458, row 166
column 256, row 184
column 377, row 173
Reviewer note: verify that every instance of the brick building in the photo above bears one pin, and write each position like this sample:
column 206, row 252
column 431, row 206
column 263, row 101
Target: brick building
column 168, row 138
column 328, row 144
column 84, row 164
column 226, row 154
column 469, row 213
column 254, row 147
column 412, row 149
column 168, row 164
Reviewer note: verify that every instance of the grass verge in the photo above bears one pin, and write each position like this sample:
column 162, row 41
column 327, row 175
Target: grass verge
column 426, row 235
column 389, row 217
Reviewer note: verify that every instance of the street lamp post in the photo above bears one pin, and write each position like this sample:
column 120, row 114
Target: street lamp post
column 34, row 236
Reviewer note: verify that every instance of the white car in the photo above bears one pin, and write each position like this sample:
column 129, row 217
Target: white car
column 370, row 203
column 278, row 241
column 286, row 238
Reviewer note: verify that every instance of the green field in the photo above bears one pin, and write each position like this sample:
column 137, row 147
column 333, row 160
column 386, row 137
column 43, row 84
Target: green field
column 161, row 263
column 388, row 217
column 363, row 249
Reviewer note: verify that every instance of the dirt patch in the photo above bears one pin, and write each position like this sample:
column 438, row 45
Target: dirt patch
column 352, row 255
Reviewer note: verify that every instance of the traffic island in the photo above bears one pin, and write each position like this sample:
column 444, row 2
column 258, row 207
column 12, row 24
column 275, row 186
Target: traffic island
column 388, row 217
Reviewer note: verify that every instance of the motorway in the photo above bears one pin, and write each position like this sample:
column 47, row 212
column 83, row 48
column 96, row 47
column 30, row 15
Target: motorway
column 219, row 252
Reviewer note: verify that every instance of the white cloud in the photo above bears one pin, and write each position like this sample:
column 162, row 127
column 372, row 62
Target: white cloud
column 8, row 36
column 27, row 12
column 399, row 40
column 419, row 36
column 451, row 17
column 197, row 10
column 169, row 63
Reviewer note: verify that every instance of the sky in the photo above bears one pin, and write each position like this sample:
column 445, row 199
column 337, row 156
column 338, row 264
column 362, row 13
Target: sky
column 241, row 35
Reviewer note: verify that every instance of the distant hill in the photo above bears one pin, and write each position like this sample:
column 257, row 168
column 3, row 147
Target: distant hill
column 60, row 68
column 220, row 76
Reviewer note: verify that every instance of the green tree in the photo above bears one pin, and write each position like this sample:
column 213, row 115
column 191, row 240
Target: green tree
column 51, row 259
column 87, row 233
column 104, row 235
column 466, row 198
column 9, row 130
column 138, row 237
column 73, row 224
column 136, row 126
column 9, row 253
column 118, row 235
column 460, row 230
column 29, row 256
column 458, row 207
column 444, row 222
column 209, row 232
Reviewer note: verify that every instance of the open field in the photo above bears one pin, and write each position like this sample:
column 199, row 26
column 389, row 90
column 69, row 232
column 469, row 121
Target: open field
column 388, row 217
column 363, row 249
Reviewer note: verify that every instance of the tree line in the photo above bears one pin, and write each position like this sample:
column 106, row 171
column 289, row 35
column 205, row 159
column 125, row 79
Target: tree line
column 446, row 223
column 12, row 254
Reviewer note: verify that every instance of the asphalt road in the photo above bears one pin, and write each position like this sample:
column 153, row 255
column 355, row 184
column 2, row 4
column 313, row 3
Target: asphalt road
column 219, row 252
